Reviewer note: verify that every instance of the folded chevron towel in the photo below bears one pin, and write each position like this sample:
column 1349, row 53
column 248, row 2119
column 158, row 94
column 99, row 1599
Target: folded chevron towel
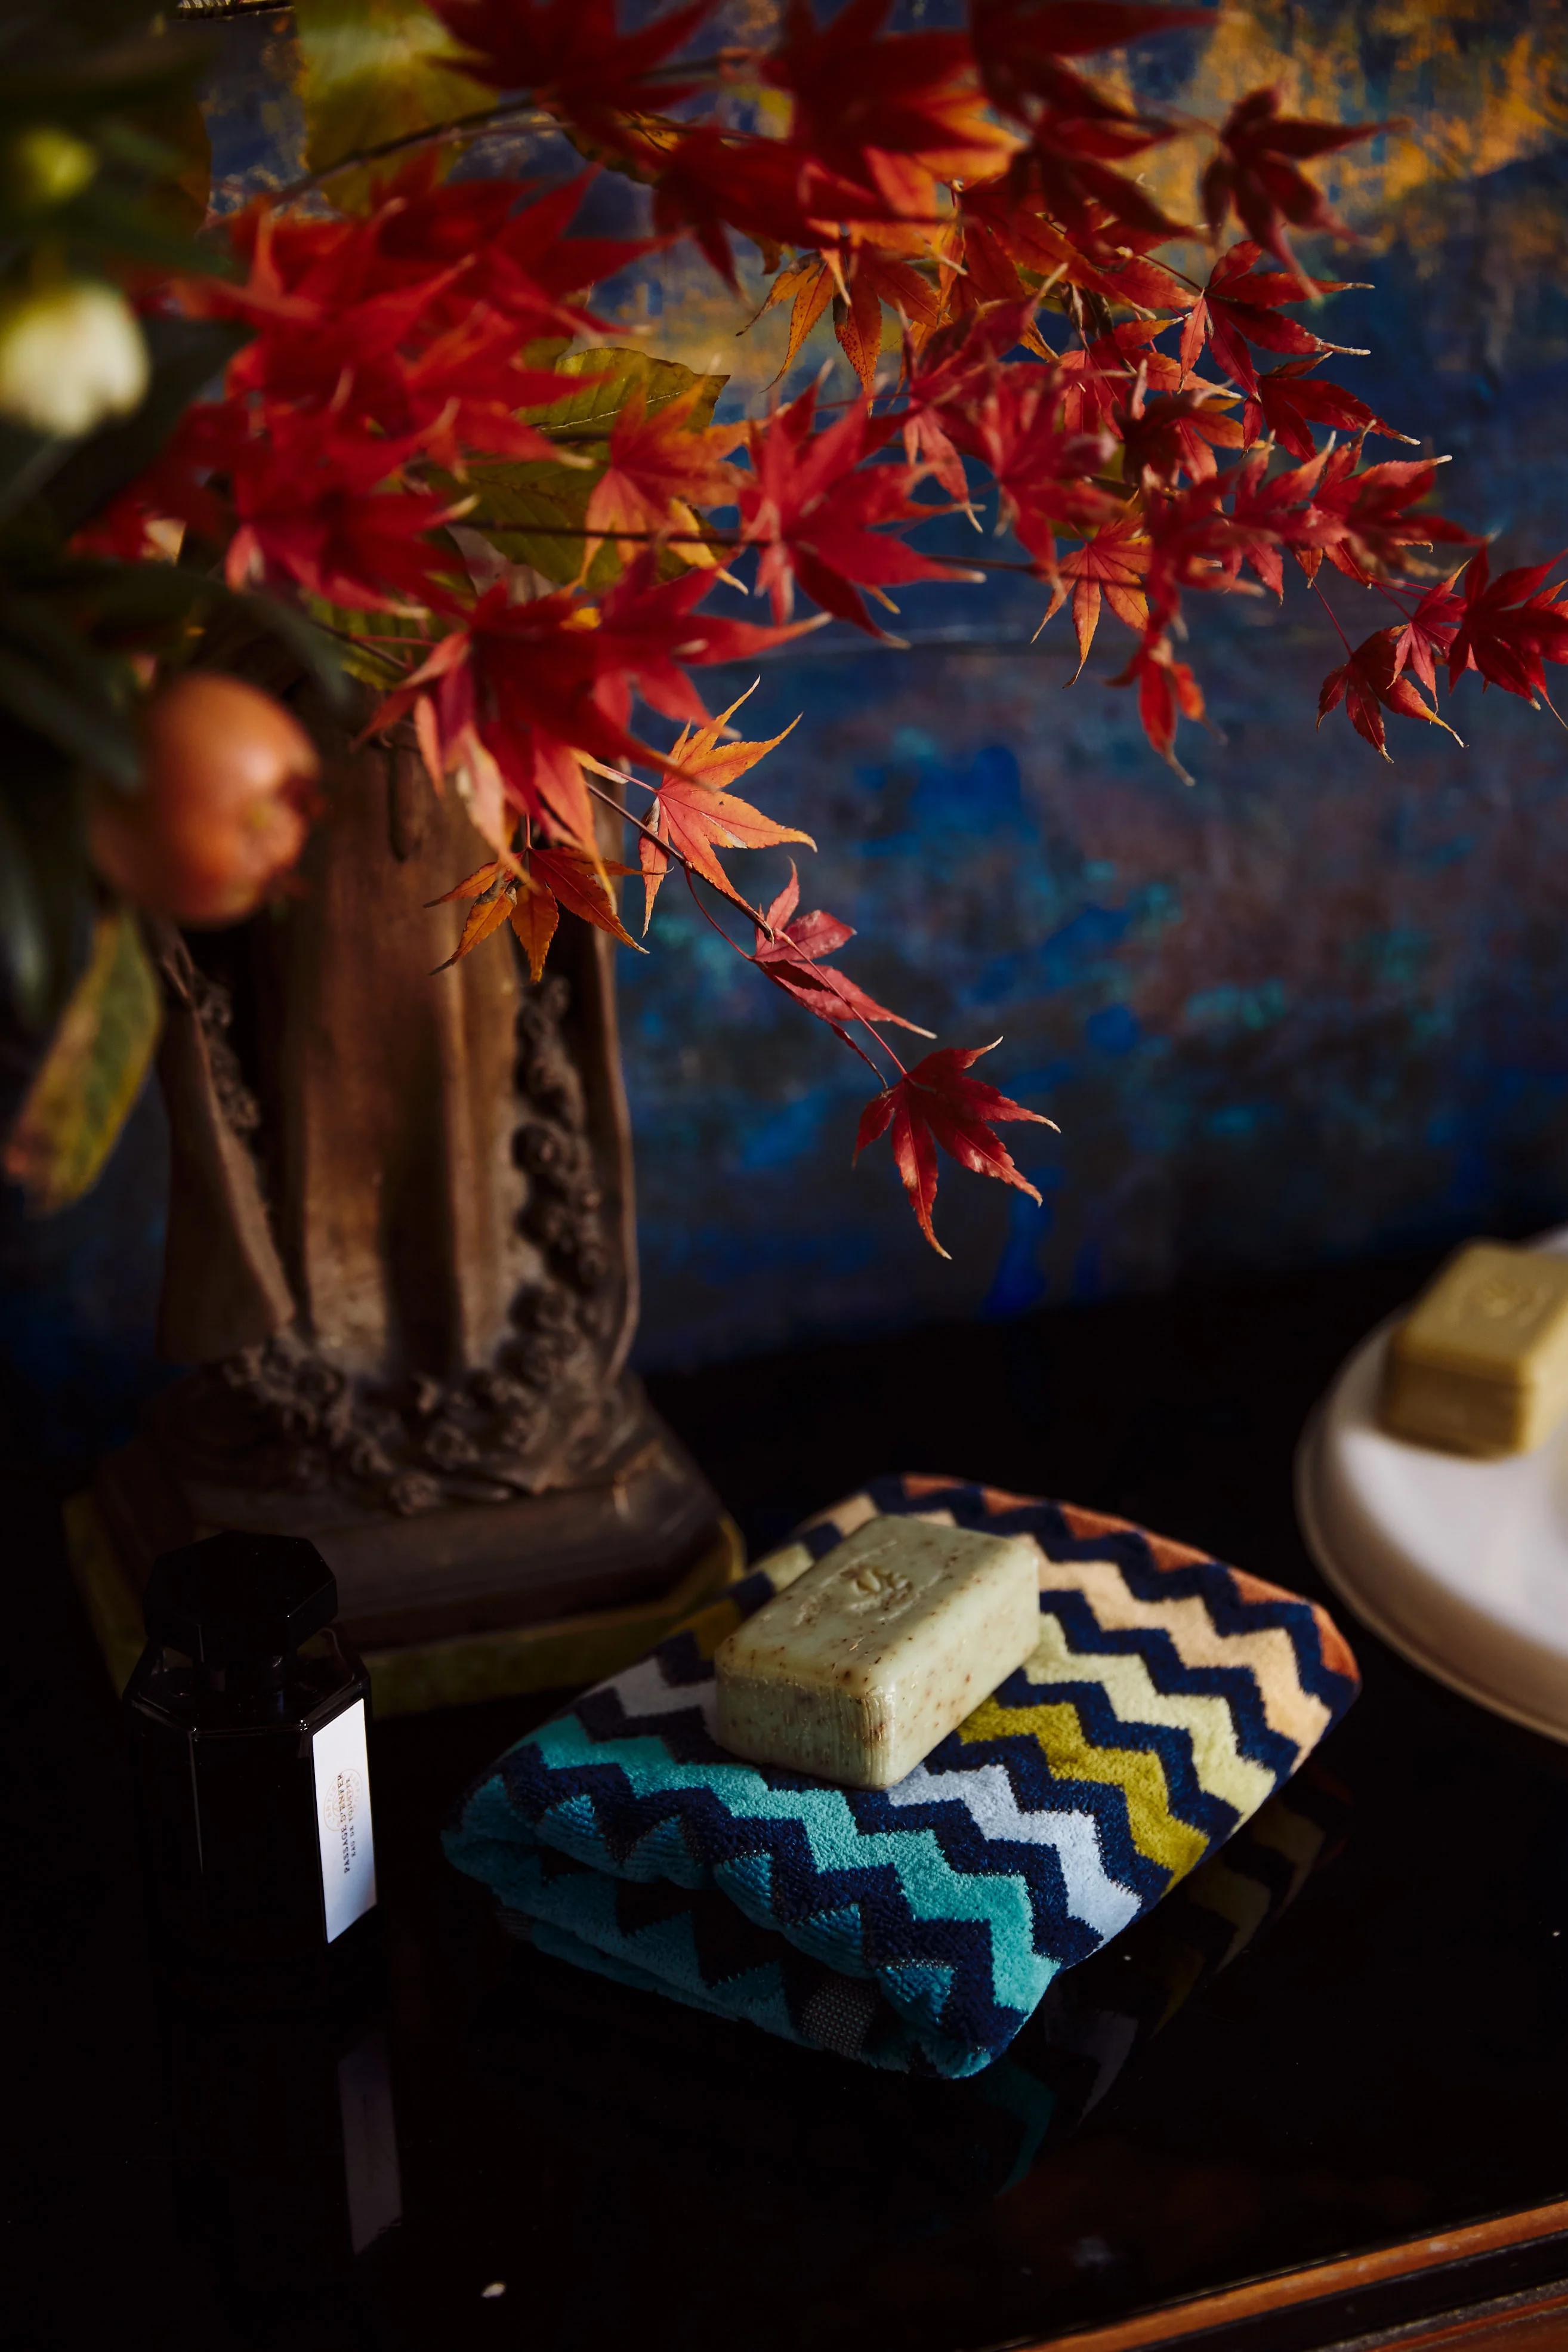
column 915, row 1927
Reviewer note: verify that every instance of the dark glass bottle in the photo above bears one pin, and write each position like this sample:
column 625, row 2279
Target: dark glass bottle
column 247, row 1713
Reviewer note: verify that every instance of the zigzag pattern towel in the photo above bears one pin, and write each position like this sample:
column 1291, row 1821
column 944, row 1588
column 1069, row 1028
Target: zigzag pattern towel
column 917, row 1927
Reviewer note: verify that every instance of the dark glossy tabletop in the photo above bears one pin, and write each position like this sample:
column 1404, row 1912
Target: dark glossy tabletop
column 581, row 2166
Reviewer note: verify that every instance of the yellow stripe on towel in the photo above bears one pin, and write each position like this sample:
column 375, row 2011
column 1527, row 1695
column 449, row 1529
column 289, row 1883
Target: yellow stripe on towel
column 1210, row 1727
column 1073, row 1756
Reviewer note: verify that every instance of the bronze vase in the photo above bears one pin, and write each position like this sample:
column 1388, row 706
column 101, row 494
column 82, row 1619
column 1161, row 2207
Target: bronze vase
column 402, row 1263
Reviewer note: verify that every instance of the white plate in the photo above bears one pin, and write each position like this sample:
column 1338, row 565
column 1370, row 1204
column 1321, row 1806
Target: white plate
column 1462, row 1566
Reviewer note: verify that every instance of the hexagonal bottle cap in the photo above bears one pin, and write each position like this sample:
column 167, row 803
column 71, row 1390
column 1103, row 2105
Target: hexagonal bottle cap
column 234, row 1597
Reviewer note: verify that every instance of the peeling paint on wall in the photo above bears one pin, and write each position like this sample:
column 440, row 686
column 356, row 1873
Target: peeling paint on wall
column 1313, row 1006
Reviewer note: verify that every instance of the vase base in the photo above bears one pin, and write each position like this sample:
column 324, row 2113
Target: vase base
column 467, row 1602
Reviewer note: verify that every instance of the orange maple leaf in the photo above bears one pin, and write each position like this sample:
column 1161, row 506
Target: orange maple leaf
column 529, row 891
column 1111, row 564
column 695, row 811
column 857, row 279
column 660, row 468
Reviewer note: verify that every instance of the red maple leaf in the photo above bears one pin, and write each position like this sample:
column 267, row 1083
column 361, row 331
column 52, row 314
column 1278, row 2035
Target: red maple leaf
column 1374, row 504
column 895, row 112
column 1008, row 242
column 438, row 246
column 1040, row 470
column 661, row 467
column 1102, row 211
column 317, row 502
column 695, row 812
column 1257, row 170
column 1241, row 304
column 1507, row 629
column 942, row 381
column 1167, row 691
column 1192, row 543
column 792, row 958
column 1370, row 681
column 530, row 268
column 1170, row 433
column 821, row 515
column 1100, row 378
column 510, row 702
column 570, row 56
column 1112, row 564
column 936, row 1103
column 1289, row 402
column 1277, row 512
column 1019, row 44
column 1428, row 633
column 771, row 190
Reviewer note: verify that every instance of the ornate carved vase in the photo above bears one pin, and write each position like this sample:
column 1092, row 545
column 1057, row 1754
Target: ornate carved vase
column 401, row 1259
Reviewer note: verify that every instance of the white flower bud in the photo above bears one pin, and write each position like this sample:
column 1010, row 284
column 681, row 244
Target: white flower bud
column 70, row 356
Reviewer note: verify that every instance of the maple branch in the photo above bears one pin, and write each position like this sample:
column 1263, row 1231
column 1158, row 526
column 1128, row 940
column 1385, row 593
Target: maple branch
column 1332, row 615
column 669, row 849
column 459, row 126
column 774, row 937
column 366, row 645
column 1384, row 590
column 712, row 921
column 734, row 539
column 520, row 114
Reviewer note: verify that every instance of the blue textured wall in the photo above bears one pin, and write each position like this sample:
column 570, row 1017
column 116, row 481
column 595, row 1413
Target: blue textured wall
column 1311, row 1007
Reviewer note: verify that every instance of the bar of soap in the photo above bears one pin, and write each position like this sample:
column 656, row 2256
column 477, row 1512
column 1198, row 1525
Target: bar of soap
column 1480, row 1363
column 879, row 1651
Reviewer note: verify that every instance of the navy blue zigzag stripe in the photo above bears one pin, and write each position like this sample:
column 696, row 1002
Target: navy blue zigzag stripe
column 725, row 1943
column 687, row 1740
column 891, row 1933
column 1107, row 1727
column 1205, row 1579
column 1057, row 1932
column 681, row 1661
column 1039, row 1789
column 1235, row 1686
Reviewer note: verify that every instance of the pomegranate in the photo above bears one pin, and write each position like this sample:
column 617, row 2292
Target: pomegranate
column 226, row 807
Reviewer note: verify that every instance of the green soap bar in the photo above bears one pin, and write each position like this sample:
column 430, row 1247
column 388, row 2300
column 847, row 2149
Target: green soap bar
column 879, row 1650
column 1480, row 1363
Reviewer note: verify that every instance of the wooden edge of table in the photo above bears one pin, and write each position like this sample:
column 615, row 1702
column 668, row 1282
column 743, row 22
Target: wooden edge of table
column 1290, row 2289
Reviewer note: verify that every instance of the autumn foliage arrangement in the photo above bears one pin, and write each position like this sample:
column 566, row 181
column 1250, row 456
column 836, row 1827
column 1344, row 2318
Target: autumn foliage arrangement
column 428, row 460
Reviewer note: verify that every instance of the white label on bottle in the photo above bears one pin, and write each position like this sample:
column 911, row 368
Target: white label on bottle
column 343, row 1818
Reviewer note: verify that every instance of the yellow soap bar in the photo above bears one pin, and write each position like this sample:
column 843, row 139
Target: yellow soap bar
column 1480, row 1363
column 879, row 1651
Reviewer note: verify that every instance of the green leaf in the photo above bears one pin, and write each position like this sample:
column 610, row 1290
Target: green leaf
column 519, row 503
column 356, row 635
column 374, row 70
column 529, row 509
column 588, row 415
column 93, row 1073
